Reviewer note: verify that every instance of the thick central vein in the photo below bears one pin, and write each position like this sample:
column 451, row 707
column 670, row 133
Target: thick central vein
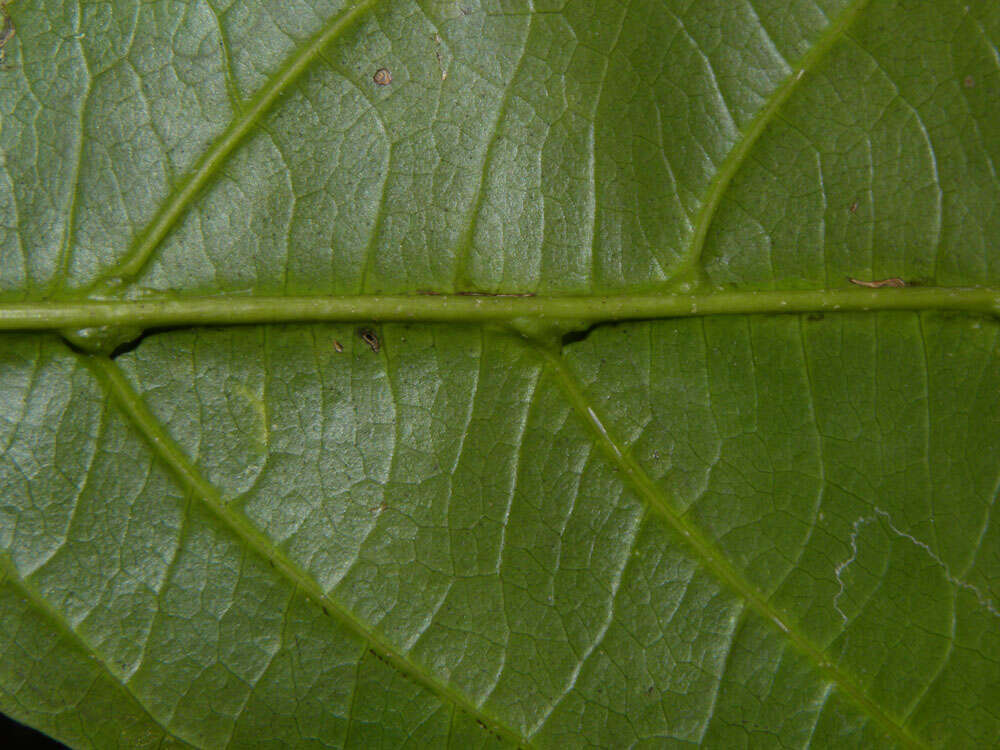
column 540, row 310
column 713, row 558
column 167, row 450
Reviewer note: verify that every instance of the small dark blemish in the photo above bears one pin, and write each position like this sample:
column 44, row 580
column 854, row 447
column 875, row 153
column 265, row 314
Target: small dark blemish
column 382, row 77
column 371, row 338
column 893, row 282
column 814, row 316
column 337, row 346
column 969, row 82
column 7, row 31
column 854, row 207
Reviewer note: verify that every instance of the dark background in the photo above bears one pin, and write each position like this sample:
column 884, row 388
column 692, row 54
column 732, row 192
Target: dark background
column 16, row 735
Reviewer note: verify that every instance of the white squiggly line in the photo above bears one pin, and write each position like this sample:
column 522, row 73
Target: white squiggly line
column 983, row 600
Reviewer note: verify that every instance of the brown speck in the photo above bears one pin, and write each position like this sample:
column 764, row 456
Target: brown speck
column 494, row 294
column 436, row 38
column 369, row 337
column 969, row 82
column 814, row 316
column 7, row 31
column 380, row 508
column 893, row 282
column 337, row 346
column 854, row 207
column 382, row 77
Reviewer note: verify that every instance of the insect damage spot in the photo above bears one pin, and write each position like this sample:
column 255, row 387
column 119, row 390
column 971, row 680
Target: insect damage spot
column 7, row 31
column 436, row 38
column 893, row 282
column 382, row 77
column 369, row 337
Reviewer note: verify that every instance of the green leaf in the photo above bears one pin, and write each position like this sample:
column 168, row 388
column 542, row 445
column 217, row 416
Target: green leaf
column 271, row 476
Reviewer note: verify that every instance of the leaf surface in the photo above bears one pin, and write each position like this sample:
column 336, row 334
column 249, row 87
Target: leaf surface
column 500, row 520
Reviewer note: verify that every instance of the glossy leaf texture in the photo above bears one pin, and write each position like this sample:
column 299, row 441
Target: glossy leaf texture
column 728, row 531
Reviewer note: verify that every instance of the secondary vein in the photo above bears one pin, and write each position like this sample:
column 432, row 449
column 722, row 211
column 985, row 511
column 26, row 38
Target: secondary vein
column 153, row 234
column 741, row 150
column 167, row 450
column 713, row 558
column 11, row 575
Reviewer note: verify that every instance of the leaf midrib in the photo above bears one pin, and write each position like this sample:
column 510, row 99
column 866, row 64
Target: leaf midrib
column 573, row 310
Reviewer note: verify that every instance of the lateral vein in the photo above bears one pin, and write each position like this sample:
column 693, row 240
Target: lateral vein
column 713, row 558
column 741, row 150
column 177, row 204
column 10, row 574
column 165, row 448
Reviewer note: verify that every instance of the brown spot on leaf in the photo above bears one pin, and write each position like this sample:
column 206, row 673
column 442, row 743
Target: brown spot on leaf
column 371, row 338
column 494, row 294
column 382, row 77
column 893, row 282
column 7, row 31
